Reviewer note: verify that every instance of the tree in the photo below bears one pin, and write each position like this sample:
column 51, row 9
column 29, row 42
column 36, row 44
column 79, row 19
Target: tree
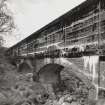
column 6, row 20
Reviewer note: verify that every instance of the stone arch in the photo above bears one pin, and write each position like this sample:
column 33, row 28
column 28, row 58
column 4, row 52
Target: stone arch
column 25, row 66
column 49, row 73
column 56, row 66
column 69, row 65
column 61, row 64
column 52, row 77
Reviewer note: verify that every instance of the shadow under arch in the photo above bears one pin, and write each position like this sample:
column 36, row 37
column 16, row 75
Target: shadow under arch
column 25, row 67
column 50, row 73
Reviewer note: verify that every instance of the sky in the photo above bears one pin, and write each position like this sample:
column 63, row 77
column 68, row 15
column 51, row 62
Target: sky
column 31, row 15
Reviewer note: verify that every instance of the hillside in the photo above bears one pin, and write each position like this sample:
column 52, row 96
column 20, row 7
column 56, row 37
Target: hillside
column 16, row 88
column 20, row 89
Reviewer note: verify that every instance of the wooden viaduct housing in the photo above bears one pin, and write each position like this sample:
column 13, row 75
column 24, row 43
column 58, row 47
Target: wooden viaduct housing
column 78, row 33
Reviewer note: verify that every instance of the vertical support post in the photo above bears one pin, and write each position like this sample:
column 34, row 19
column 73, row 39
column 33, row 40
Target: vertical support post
column 64, row 37
column 99, row 37
column 46, row 51
column 63, row 28
column 27, row 48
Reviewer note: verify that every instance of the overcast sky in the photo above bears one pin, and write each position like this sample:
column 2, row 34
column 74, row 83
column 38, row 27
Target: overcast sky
column 31, row 15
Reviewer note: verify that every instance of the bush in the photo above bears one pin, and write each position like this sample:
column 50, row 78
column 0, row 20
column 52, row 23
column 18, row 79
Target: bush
column 2, row 73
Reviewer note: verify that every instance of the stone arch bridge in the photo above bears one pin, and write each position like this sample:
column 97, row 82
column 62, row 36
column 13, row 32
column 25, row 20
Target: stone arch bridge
column 49, row 69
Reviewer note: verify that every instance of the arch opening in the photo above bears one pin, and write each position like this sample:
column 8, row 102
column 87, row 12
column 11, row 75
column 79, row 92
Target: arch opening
column 24, row 67
column 59, row 79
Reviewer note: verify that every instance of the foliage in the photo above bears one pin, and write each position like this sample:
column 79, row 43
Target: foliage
column 6, row 20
